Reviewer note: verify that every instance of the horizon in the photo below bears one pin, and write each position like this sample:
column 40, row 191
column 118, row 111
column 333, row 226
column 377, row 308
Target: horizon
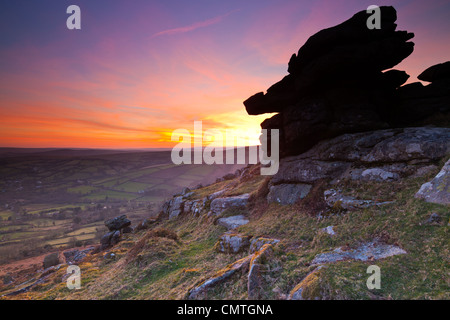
column 134, row 74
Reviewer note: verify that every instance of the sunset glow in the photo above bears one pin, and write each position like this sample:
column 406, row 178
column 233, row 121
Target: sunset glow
column 135, row 73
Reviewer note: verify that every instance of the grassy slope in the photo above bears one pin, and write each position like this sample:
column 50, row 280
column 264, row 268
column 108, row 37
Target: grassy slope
column 151, row 265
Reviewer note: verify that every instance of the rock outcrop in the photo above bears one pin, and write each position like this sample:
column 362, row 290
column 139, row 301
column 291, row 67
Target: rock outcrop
column 117, row 223
column 232, row 243
column 309, row 287
column 232, row 222
column 336, row 85
column 222, row 275
column 382, row 155
column 438, row 189
column 253, row 263
column 115, row 227
column 219, row 205
column 335, row 199
column 74, row 256
column 365, row 252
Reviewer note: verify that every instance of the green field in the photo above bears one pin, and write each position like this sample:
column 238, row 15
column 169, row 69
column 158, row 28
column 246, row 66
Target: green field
column 52, row 198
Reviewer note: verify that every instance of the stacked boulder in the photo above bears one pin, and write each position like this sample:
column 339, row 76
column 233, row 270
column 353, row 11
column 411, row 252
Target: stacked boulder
column 116, row 226
column 336, row 85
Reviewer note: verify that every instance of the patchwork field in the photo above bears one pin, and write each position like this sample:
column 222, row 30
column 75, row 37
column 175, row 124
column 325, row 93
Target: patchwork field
column 60, row 198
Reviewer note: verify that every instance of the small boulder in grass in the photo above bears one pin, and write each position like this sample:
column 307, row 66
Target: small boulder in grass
column 434, row 218
column 51, row 260
column 117, row 223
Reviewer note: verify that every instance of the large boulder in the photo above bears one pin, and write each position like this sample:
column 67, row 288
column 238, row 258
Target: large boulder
column 232, row 243
column 437, row 72
column 233, row 222
column 51, row 260
column 287, row 193
column 337, row 84
column 109, row 239
column 219, row 205
column 117, row 223
column 381, row 155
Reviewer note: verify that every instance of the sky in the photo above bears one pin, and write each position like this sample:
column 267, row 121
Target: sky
column 138, row 70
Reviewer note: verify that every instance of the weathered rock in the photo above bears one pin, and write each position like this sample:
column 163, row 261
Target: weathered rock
column 144, row 224
column 193, row 206
column 434, row 218
column 51, row 260
column 232, row 222
column 74, row 256
column 115, row 238
column 176, row 207
column 307, row 171
column 381, row 155
column 288, row 193
column 257, row 243
column 438, row 189
column 109, row 239
column 127, row 229
column 365, row 252
column 328, row 230
column 185, row 191
column 411, row 143
column 219, row 277
column 105, row 240
column 117, row 223
column 232, row 243
column 219, row 205
column 256, row 269
column 378, row 174
column 109, row 256
column 308, row 288
column 336, row 199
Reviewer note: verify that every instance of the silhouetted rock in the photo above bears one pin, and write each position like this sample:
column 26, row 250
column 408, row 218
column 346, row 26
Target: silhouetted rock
column 437, row 72
column 416, row 102
column 336, row 85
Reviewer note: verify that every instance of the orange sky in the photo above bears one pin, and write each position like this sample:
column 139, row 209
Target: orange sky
column 133, row 74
